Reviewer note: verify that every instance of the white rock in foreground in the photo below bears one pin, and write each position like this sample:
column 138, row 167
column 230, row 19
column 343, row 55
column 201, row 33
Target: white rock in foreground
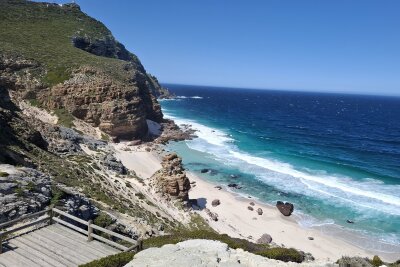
column 205, row 253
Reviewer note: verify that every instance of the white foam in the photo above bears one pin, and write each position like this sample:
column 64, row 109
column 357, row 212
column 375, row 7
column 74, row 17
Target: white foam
column 369, row 193
column 192, row 97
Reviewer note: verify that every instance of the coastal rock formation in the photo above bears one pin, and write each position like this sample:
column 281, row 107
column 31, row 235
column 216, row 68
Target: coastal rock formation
column 172, row 179
column 285, row 208
column 204, row 253
column 265, row 239
column 119, row 108
column 172, row 132
column 22, row 191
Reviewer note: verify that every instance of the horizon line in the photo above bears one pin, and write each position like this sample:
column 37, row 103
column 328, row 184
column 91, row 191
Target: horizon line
column 288, row 90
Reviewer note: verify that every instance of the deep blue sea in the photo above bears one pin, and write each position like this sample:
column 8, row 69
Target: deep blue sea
column 336, row 157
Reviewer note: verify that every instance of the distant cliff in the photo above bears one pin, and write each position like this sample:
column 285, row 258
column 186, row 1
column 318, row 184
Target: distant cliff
column 67, row 62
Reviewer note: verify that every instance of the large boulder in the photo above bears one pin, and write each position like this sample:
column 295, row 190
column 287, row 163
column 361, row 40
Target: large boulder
column 285, row 208
column 215, row 202
column 265, row 239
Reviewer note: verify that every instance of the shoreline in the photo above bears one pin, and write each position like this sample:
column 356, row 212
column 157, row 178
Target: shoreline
column 236, row 220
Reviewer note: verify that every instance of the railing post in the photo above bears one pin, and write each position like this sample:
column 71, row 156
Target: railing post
column 90, row 231
column 51, row 214
column 140, row 245
column 1, row 243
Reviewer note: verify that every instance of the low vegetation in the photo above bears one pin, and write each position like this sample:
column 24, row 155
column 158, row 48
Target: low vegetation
column 4, row 174
column 103, row 220
column 118, row 260
column 64, row 118
column 365, row 262
column 283, row 254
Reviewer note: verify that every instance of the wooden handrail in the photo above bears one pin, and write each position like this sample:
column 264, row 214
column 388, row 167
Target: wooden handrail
column 36, row 214
column 136, row 244
column 72, row 217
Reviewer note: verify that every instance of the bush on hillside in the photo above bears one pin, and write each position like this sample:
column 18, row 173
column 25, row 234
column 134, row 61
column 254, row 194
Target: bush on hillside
column 117, row 260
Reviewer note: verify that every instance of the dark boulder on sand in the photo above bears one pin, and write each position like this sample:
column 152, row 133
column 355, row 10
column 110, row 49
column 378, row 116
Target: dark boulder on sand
column 259, row 211
column 285, row 208
column 215, row 202
column 264, row 239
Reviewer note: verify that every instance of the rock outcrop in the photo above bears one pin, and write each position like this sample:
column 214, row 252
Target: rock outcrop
column 172, row 179
column 285, row 208
column 204, row 253
column 22, row 191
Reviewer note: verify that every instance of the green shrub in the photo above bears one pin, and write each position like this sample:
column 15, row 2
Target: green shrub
column 19, row 191
column 283, row 254
column 353, row 262
column 4, row 174
column 103, row 220
column 105, row 137
column 56, row 76
column 117, row 260
column 31, row 186
column 376, row 261
column 64, row 118
column 56, row 195
column 34, row 102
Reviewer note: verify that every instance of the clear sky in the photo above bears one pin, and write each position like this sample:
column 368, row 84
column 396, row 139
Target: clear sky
column 340, row 45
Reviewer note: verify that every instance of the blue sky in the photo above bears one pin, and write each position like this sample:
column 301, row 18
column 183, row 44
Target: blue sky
column 342, row 45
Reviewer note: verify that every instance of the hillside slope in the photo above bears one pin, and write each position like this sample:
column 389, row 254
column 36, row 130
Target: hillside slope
column 63, row 60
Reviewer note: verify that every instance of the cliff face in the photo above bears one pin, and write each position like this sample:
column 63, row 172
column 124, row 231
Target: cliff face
column 62, row 59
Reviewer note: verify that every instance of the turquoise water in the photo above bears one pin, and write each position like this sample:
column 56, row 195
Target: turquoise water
column 336, row 157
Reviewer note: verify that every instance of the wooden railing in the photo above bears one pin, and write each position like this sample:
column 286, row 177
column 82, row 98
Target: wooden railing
column 56, row 215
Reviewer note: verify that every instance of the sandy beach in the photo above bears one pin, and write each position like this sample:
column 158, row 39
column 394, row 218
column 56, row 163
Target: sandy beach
column 235, row 219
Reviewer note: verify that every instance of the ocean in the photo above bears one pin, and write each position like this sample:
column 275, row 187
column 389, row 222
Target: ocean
column 336, row 157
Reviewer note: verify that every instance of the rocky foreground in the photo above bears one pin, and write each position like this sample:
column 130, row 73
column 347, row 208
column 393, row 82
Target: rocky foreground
column 206, row 253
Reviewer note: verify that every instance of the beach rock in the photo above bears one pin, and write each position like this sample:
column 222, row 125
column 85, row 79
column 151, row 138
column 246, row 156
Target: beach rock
column 285, row 208
column 250, row 208
column 233, row 185
column 259, row 211
column 349, row 221
column 310, row 238
column 251, row 203
column 172, row 179
column 204, row 170
column 264, row 239
column 215, row 202
column 218, row 187
column 212, row 215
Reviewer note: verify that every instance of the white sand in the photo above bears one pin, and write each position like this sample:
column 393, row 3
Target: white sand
column 237, row 221
column 144, row 163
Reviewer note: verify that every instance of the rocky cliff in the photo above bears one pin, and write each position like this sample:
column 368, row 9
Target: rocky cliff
column 65, row 61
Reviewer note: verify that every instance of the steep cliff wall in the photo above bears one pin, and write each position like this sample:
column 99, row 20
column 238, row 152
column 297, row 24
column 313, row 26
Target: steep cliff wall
column 74, row 64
